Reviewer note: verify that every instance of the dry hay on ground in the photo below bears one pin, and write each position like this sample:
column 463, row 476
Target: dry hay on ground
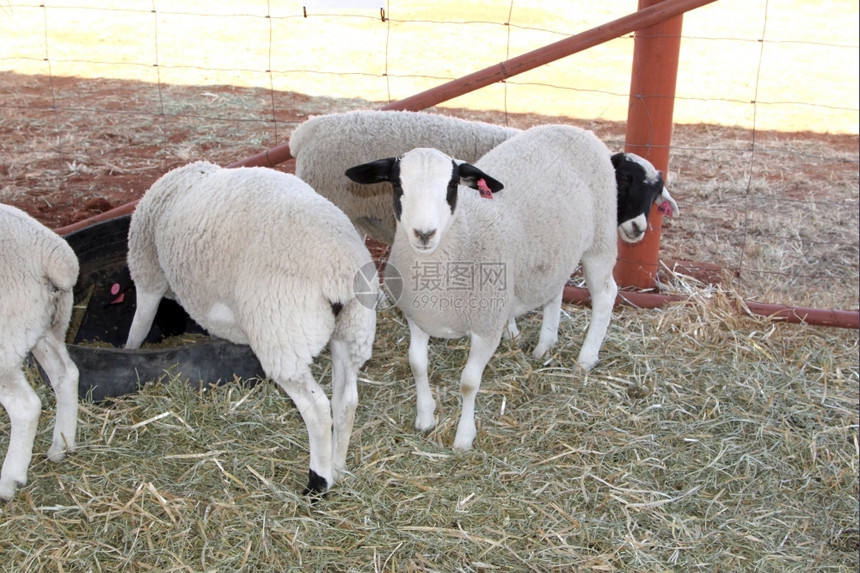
column 703, row 441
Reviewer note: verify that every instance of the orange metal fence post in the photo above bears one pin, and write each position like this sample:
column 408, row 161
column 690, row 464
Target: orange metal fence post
column 649, row 133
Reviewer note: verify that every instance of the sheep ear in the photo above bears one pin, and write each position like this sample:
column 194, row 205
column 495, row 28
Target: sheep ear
column 471, row 176
column 667, row 204
column 373, row 172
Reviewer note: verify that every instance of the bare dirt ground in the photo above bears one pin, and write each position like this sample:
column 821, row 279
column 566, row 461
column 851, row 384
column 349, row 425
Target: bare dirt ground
column 773, row 213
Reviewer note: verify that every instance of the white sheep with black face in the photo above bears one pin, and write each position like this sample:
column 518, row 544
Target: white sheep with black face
column 639, row 185
column 469, row 265
column 256, row 257
column 325, row 146
column 38, row 270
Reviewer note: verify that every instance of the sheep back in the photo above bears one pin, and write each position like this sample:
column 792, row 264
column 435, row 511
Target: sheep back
column 560, row 188
column 38, row 270
column 326, row 146
column 208, row 232
column 558, row 203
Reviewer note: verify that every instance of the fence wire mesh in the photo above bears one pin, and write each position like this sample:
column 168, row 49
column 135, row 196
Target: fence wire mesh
column 101, row 97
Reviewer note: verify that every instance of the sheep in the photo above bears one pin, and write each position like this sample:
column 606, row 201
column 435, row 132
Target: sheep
column 38, row 271
column 325, row 146
column 256, row 257
column 471, row 265
column 639, row 185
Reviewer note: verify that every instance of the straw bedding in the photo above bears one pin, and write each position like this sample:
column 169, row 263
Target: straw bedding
column 702, row 441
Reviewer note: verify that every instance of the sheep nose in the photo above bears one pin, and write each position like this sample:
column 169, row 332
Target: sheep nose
column 425, row 235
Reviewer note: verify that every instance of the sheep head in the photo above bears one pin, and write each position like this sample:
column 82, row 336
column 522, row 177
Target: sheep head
column 425, row 184
column 640, row 185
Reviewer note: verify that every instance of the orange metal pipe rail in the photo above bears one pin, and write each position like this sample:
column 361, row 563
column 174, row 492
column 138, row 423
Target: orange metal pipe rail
column 792, row 314
column 115, row 212
column 641, row 19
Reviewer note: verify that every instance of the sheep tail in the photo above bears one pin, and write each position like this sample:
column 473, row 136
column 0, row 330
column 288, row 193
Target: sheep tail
column 61, row 266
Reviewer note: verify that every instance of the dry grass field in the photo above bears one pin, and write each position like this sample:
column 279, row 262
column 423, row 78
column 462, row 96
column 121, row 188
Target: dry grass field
column 703, row 441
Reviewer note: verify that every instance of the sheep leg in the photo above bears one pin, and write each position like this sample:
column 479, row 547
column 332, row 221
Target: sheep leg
column 344, row 399
column 144, row 313
column 63, row 374
column 480, row 351
column 419, row 342
column 602, row 288
column 549, row 327
column 315, row 409
column 23, row 407
column 511, row 331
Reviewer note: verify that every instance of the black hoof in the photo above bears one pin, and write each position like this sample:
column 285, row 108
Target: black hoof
column 317, row 485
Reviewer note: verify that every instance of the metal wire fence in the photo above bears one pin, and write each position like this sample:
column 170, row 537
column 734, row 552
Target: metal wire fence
column 764, row 160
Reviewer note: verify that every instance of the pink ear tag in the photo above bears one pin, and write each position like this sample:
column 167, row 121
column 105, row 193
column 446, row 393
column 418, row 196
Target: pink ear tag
column 115, row 290
column 665, row 208
column 484, row 190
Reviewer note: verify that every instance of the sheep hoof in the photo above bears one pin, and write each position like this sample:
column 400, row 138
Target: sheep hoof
column 57, row 453
column 462, row 446
column 338, row 474
column 540, row 352
column 317, row 486
column 425, row 423
column 511, row 332
column 9, row 487
column 463, row 443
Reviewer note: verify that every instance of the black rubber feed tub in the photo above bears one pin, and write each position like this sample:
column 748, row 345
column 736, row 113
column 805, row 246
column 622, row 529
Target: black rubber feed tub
column 104, row 309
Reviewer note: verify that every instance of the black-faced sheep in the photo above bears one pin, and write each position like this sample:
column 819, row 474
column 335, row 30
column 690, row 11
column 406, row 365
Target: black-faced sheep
column 255, row 256
column 325, row 146
column 639, row 186
column 38, row 270
column 469, row 265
